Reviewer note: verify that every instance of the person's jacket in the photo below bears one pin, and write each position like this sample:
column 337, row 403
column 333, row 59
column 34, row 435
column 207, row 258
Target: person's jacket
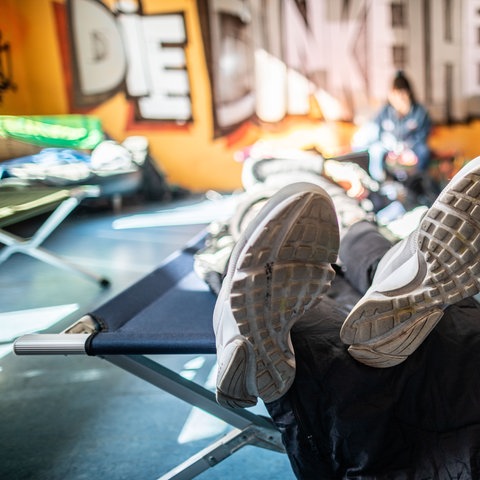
column 396, row 132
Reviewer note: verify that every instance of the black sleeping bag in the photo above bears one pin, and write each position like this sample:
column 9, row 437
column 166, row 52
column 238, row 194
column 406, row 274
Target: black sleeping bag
column 417, row 420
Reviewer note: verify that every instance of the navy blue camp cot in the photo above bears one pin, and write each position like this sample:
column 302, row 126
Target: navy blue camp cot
column 137, row 323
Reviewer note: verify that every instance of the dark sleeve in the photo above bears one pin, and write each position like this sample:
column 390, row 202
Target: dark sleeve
column 421, row 133
column 381, row 116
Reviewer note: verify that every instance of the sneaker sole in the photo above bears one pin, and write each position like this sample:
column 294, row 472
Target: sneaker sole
column 280, row 268
column 385, row 328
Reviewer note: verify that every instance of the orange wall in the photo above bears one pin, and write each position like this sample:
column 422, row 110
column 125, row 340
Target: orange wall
column 12, row 27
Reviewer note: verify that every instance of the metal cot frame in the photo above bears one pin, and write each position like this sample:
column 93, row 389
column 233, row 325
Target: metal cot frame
column 20, row 201
column 79, row 339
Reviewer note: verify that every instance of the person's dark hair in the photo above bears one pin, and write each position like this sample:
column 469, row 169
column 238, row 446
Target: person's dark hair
column 401, row 82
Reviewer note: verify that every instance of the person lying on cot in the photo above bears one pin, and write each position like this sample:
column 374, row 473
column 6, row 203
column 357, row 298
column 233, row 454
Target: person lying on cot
column 377, row 389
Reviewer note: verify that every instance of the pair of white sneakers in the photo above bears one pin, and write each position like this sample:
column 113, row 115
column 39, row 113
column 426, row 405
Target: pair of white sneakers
column 281, row 267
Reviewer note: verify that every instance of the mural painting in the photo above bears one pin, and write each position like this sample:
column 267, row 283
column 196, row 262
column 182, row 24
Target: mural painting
column 6, row 81
column 262, row 62
column 342, row 52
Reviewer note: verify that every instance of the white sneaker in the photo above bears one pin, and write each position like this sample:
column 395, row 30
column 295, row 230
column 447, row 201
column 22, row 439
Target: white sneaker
column 280, row 267
column 435, row 266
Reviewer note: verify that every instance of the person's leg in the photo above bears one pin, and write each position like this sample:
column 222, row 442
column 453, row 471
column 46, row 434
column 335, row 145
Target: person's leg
column 409, row 411
column 376, row 163
column 361, row 249
column 279, row 268
column 423, row 153
column 436, row 266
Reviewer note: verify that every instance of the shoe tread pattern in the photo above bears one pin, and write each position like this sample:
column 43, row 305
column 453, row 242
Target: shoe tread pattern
column 283, row 273
column 391, row 328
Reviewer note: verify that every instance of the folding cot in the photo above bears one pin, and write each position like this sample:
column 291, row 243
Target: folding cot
column 147, row 318
column 20, row 201
column 419, row 419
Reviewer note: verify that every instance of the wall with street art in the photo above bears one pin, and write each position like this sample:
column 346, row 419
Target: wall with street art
column 203, row 79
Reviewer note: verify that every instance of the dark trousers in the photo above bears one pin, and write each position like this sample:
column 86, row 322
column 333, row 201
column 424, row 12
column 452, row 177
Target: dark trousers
column 417, row 420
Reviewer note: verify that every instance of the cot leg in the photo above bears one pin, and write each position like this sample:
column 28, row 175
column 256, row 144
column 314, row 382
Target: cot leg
column 54, row 220
column 214, row 454
column 56, row 261
column 11, row 243
column 15, row 244
column 250, row 429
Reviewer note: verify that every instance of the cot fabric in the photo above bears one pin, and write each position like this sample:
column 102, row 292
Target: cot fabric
column 168, row 311
column 18, row 204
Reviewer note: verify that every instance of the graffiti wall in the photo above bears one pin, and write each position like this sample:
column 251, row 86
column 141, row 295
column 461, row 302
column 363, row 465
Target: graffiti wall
column 202, row 79
column 140, row 68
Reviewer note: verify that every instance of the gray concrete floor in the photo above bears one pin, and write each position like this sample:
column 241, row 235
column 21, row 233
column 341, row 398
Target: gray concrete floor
column 77, row 417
